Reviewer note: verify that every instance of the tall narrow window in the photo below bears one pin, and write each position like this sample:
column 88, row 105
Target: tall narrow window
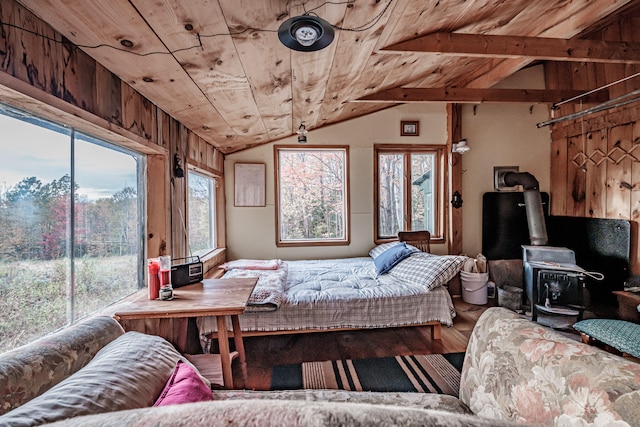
column 311, row 195
column 408, row 182
column 202, row 224
column 70, row 226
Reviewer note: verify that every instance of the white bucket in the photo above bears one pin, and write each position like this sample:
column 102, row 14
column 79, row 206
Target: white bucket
column 474, row 287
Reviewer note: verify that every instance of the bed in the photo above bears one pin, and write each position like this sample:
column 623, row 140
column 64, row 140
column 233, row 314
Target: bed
column 383, row 290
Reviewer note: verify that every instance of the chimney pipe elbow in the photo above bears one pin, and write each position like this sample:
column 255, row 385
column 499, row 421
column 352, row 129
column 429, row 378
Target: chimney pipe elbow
column 527, row 180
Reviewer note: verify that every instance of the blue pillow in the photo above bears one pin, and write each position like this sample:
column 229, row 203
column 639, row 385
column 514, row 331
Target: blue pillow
column 378, row 250
column 387, row 259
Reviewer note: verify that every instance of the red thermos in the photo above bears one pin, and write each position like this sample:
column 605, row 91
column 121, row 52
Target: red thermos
column 154, row 280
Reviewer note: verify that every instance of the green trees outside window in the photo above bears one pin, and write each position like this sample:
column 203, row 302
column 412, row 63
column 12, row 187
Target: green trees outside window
column 70, row 226
column 312, row 195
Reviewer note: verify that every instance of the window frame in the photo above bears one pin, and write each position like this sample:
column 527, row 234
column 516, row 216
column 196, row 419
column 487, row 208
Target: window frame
column 440, row 212
column 213, row 209
column 347, row 204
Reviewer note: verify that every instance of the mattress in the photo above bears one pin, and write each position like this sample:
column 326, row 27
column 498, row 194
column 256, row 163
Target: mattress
column 345, row 293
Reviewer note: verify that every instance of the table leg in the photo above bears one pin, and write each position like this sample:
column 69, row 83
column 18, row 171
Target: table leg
column 237, row 338
column 223, row 343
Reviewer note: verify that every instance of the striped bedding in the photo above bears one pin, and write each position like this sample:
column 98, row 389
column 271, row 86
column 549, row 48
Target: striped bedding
column 346, row 293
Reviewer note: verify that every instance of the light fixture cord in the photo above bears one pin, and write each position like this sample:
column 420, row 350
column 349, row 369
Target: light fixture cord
column 366, row 25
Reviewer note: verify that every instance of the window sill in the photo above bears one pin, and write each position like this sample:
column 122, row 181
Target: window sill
column 213, row 259
column 213, row 254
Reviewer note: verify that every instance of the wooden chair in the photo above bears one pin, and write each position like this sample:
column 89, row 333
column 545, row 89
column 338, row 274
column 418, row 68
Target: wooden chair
column 420, row 239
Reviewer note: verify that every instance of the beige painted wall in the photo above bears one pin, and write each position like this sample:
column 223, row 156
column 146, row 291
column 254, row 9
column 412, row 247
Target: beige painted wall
column 497, row 134
column 502, row 135
column 251, row 231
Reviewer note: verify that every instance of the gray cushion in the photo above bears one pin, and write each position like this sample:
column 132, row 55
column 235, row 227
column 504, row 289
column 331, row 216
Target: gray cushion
column 130, row 372
column 30, row 370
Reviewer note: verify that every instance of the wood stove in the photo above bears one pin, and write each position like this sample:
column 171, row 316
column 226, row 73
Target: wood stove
column 553, row 282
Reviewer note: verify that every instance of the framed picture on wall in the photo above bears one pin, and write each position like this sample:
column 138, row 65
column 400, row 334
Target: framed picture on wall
column 408, row 128
column 250, row 184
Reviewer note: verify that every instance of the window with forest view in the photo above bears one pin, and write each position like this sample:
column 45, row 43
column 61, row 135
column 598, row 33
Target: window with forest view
column 312, row 195
column 408, row 190
column 70, row 226
column 202, row 224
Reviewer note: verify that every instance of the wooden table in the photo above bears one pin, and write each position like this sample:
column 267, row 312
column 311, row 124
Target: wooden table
column 211, row 297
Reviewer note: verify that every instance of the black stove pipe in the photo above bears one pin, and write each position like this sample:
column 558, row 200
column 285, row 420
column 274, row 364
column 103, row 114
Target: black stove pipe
column 532, row 203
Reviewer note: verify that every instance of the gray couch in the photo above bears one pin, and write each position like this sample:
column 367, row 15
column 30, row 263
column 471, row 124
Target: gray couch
column 515, row 372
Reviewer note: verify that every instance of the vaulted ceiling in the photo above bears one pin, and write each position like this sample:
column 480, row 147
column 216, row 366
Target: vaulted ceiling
column 218, row 67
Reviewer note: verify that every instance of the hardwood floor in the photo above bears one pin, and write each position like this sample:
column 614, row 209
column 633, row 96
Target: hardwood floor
column 265, row 352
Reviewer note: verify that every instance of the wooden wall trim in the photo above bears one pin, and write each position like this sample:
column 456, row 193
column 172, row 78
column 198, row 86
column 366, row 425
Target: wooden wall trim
column 158, row 204
column 454, row 134
column 454, row 229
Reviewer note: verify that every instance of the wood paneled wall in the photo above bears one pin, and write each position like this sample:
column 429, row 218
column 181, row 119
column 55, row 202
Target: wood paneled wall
column 595, row 159
column 45, row 74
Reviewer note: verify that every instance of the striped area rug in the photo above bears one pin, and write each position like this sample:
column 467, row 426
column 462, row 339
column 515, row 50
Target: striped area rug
column 427, row 373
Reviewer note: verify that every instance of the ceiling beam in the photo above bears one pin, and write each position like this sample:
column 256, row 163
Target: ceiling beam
column 470, row 95
column 544, row 48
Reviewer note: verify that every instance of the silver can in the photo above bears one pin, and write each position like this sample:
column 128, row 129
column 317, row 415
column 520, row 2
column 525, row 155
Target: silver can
column 166, row 292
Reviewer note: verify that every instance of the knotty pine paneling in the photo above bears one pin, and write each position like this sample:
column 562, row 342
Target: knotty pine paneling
column 179, row 192
column 575, row 205
column 138, row 113
column 635, row 174
column 618, row 172
column 558, row 177
column 595, row 159
column 108, row 96
column 596, row 176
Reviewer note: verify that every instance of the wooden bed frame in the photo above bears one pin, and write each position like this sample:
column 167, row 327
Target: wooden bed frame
column 435, row 327
column 420, row 239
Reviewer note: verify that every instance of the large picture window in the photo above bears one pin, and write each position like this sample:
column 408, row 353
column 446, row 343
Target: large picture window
column 408, row 190
column 202, row 208
column 70, row 226
column 311, row 195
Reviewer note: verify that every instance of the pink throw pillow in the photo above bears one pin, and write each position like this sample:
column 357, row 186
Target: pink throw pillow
column 184, row 386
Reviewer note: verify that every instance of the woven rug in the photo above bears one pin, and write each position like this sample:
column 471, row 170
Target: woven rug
column 427, row 373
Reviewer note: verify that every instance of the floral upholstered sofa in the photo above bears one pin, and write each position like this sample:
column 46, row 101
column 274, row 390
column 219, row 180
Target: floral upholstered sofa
column 518, row 370
column 515, row 372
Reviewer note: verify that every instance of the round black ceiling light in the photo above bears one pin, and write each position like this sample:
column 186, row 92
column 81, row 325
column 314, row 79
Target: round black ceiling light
column 305, row 33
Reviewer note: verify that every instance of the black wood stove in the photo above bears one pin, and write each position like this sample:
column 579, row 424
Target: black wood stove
column 553, row 282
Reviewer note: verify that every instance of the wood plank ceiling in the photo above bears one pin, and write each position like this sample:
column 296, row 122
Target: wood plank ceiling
column 218, row 66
